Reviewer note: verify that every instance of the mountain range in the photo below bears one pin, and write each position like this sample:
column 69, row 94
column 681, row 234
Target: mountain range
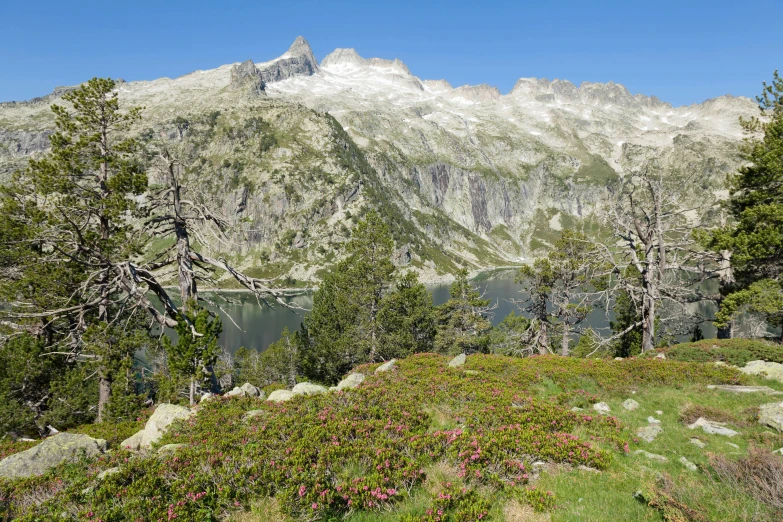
column 293, row 150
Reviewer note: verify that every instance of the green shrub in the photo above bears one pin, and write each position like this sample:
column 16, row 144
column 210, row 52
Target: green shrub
column 737, row 352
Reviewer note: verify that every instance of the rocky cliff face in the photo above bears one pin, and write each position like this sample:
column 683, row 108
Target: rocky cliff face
column 464, row 175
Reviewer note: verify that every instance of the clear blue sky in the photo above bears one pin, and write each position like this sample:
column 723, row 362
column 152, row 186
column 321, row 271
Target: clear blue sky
column 682, row 51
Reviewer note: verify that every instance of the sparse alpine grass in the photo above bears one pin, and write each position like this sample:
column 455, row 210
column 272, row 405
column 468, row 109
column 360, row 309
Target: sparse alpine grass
column 366, row 450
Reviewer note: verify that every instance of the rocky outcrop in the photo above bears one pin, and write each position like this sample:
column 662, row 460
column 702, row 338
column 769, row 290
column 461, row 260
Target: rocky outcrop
column 770, row 370
column 297, row 61
column 649, row 433
column 351, row 382
column 247, row 76
column 458, row 360
column 630, row 404
column 281, row 396
column 56, row 450
column 387, row 366
column 307, row 388
column 156, row 427
column 23, row 143
column 247, row 390
column 772, row 415
column 712, row 427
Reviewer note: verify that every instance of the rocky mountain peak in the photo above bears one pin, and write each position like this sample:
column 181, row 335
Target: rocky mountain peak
column 475, row 93
column 297, row 61
column 343, row 56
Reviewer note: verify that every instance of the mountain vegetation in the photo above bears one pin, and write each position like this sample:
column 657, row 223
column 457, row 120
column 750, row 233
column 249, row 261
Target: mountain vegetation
column 121, row 231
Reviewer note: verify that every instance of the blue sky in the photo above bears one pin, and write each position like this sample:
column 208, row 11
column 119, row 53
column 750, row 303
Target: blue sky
column 681, row 51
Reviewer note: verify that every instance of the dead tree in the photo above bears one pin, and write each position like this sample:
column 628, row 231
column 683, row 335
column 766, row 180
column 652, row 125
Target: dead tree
column 653, row 254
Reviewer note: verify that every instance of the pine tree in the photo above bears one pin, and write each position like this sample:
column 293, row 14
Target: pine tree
column 197, row 347
column 75, row 212
column 408, row 319
column 463, row 320
column 755, row 238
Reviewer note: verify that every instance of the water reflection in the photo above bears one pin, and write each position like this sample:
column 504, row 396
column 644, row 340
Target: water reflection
column 260, row 326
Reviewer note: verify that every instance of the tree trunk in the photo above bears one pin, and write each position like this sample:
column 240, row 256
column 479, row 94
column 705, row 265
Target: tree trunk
column 648, row 326
column 192, row 390
column 566, row 339
column 726, row 332
column 104, row 394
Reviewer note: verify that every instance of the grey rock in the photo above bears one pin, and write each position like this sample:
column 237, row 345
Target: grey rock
column 246, row 390
column 649, row 433
column 385, row 367
column 458, row 360
column 688, row 464
column 297, row 61
column 619, row 358
column 577, row 409
column 602, row 408
column 712, row 427
column 351, row 381
column 658, row 412
column 206, row 397
column 170, row 448
column 53, row 451
column 661, row 356
column 105, row 473
column 630, row 404
column 651, row 456
column 653, row 420
column 306, row 388
column 156, row 427
column 770, row 370
column 744, row 389
column 247, row 76
column 697, row 442
column 772, row 415
column 281, row 396
column 735, row 446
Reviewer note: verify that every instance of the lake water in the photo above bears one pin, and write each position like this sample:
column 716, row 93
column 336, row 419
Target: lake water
column 259, row 326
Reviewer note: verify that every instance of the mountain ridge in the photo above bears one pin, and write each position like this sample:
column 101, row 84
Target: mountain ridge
column 470, row 175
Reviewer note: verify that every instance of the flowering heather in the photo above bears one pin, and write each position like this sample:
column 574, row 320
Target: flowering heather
column 366, row 449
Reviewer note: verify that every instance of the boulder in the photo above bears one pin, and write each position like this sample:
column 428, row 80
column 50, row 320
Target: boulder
column 207, row 396
column 653, row 420
column 53, row 451
column 156, row 426
column 772, row 415
column 351, row 382
column 651, row 456
column 281, row 396
column 307, row 388
column 712, row 427
column 247, row 390
column 661, row 356
column 170, row 448
column 770, row 370
column 105, row 473
column 630, row 405
column 649, row 433
column 577, row 409
column 602, row 407
column 697, row 442
column 458, row 360
column 744, row 389
column 385, row 367
column 688, row 464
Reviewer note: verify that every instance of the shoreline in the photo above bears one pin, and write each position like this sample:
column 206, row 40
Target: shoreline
column 480, row 275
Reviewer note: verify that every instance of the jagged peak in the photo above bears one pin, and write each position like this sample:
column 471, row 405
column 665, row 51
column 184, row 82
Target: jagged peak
column 342, row 55
column 300, row 47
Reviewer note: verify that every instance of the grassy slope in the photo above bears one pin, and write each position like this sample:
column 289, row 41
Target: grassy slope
column 425, row 402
